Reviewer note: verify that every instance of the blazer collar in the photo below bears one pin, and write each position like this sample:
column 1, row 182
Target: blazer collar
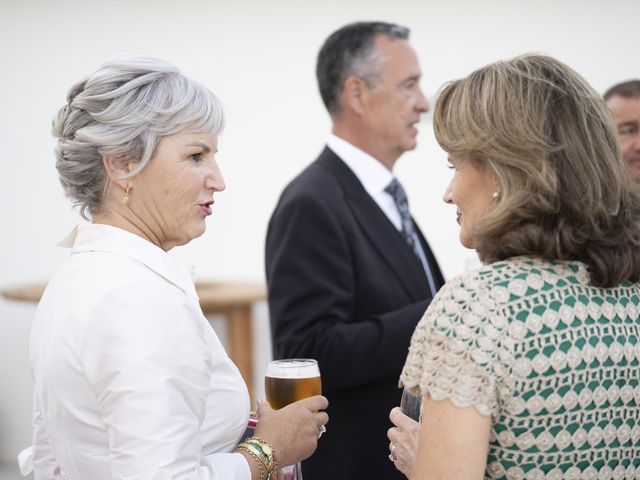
column 381, row 232
column 92, row 237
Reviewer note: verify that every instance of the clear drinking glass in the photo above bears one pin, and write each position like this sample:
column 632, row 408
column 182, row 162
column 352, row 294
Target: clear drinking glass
column 411, row 405
column 285, row 382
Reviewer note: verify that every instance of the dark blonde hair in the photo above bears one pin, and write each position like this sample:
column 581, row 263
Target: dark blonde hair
column 565, row 192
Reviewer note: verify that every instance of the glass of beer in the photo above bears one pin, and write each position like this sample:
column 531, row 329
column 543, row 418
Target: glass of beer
column 285, row 382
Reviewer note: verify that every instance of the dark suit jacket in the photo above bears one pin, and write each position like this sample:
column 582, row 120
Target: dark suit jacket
column 346, row 289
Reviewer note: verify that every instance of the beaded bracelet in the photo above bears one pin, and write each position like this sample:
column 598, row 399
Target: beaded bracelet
column 264, row 453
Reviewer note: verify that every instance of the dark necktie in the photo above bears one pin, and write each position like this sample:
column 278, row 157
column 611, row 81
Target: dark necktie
column 399, row 196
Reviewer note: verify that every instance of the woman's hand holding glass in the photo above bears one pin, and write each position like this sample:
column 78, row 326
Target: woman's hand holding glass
column 403, row 436
column 292, row 430
column 293, row 387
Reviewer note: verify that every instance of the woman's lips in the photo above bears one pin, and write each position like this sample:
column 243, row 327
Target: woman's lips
column 206, row 207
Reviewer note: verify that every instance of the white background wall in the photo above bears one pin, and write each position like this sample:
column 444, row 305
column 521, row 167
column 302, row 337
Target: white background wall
column 259, row 57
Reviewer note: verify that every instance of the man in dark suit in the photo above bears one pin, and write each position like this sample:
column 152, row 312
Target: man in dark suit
column 349, row 272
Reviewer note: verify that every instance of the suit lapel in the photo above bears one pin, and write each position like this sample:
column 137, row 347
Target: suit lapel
column 381, row 233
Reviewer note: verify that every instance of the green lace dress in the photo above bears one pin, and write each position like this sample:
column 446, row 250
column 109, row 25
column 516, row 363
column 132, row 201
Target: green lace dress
column 553, row 359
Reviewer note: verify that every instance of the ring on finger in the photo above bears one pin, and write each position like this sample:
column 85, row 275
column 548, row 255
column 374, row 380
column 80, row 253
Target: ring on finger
column 321, row 430
column 392, row 455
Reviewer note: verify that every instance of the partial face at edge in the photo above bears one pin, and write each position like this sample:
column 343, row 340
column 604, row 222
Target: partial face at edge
column 626, row 112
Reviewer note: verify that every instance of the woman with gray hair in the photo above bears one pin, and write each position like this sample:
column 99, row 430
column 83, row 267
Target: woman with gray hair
column 529, row 366
column 130, row 380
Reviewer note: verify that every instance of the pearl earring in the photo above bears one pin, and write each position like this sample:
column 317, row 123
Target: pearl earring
column 495, row 195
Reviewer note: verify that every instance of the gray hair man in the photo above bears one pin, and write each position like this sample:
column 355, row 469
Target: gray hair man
column 349, row 271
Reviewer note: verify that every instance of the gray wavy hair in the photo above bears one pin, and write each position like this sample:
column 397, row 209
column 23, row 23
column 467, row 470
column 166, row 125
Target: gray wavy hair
column 122, row 111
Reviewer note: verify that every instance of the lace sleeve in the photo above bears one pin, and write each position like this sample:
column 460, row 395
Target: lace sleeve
column 454, row 349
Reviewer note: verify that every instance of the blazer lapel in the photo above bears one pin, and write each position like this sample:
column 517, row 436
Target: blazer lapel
column 378, row 228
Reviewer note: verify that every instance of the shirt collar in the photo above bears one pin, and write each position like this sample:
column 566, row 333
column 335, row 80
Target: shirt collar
column 372, row 174
column 92, row 237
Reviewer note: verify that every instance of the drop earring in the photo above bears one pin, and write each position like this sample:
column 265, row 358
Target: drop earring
column 125, row 199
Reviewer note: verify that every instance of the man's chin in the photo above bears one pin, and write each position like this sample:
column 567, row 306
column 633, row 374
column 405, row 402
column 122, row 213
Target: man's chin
column 409, row 145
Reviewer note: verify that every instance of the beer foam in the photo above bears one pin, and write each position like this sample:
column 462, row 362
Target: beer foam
column 293, row 368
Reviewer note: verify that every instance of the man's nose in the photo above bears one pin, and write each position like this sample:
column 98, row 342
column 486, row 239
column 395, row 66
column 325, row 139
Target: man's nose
column 422, row 104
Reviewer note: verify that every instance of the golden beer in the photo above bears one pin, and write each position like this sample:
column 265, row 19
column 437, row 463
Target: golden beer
column 287, row 381
column 283, row 391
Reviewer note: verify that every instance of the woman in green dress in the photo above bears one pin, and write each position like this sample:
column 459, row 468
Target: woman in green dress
column 529, row 366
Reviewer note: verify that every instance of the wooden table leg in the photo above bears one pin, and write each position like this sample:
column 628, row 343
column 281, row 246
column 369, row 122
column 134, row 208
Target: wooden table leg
column 241, row 344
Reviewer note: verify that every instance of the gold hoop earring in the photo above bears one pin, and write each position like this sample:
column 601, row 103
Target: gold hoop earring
column 125, row 199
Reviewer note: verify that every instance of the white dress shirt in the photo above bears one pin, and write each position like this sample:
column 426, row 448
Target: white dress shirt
column 130, row 380
column 373, row 175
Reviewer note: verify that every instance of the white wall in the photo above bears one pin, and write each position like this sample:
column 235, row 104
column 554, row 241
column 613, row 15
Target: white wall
column 259, row 58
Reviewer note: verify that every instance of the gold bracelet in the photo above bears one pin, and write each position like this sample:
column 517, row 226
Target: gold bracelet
column 264, row 474
column 268, row 454
column 270, row 467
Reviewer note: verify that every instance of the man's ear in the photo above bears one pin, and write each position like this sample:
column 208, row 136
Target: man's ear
column 117, row 169
column 354, row 94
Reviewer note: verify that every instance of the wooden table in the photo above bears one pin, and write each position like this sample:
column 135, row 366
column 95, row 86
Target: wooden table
column 233, row 300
